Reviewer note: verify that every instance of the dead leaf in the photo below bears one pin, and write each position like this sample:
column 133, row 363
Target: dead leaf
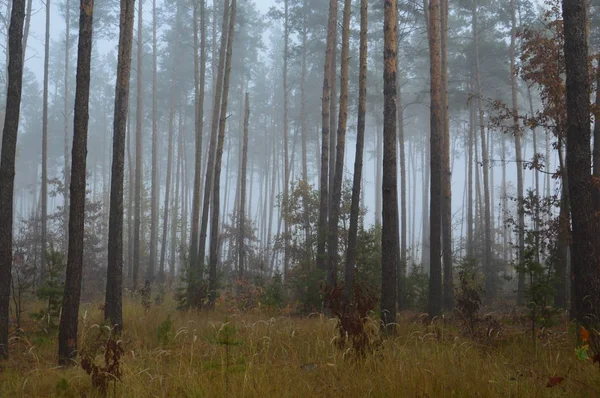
column 555, row 381
column 584, row 335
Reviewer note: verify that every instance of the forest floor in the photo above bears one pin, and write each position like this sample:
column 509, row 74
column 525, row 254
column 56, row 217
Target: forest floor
column 167, row 353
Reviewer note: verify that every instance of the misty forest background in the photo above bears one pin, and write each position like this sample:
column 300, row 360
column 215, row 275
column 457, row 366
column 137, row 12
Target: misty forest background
column 304, row 155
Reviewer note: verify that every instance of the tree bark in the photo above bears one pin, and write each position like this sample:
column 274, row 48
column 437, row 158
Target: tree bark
column 338, row 171
column 214, row 224
column 437, row 135
column 490, row 283
column 168, row 190
column 7, row 162
column 44, row 195
column 208, row 182
column 194, row 275
column 286, row 162
column 137, row 216
column 389, row 238
column 67, row 335
column 242, row 208
column 113, row 310
column 155, row 187
column 358, row 161
column 585, row 265
column 67, row 172
column 518, row 149
column 325, row 109
column 446, row 208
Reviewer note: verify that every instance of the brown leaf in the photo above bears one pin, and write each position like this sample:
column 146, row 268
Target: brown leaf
column 555, row 381
column 584, row 335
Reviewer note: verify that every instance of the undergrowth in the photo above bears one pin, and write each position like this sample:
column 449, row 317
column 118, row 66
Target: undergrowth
column 167, row 353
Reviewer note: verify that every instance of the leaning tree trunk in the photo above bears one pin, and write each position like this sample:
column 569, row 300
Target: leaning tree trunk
column 389, row 238
column 7, row 162
column 325, row 109
column 67, row 335
column 338, row 170
column 585, row 267
column 113, row 310
column 358, row 161
column 437, row 135
column 208, row 181
column 214, row 224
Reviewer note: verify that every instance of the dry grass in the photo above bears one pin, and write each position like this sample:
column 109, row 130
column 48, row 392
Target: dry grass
column 284, row 356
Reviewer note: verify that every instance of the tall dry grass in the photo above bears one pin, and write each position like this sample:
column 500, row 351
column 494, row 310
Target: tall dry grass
column 283, row 356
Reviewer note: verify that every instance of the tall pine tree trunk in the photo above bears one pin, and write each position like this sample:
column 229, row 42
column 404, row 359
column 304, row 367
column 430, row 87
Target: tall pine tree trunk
column 519, row 159
column 490, row 283
column 286, row 162
column 67, row 172
column 155, row 187
column 194, row 275
column 584, row 220
column 437, row 136
column 44, row 195
column 7, row 162
column 242, row 207
column 113, row 310
column 358, row 161
column 325, row 109
column 168, row 190
column 389, row 238
column 137, row 216
column 446, row 170
column 338, row 170
column 67, row 335
column 214, row 224
column 208, row 181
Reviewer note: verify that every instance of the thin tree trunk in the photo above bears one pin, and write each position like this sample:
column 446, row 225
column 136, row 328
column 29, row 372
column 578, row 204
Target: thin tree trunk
column 286, row 163
column 490, row 283
column 67, row 172
column 338, row 170
column 194, row 276
column 67, row 335
column 358, row 161
column 446, row 208
column 7, row 162
column 137, row 216
column 242, row 207
column 214, row 225
column 113, row 310
column 170, row 148
column 519, row 160
column 303, row 127
column 325, row 109
column 44, row 195
column 208, row 182
column 155, row 188
column 175, row 208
